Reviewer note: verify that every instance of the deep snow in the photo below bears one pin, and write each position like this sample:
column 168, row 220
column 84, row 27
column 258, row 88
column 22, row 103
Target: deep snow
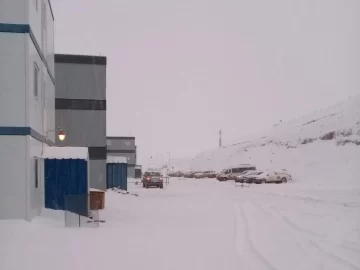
column 197, row 224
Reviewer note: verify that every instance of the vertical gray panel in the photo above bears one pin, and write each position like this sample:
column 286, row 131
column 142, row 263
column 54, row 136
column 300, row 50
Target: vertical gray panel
column 82, row 128
column 97, row 174
column 121, row 144
column 131, row 172
column 80, row 81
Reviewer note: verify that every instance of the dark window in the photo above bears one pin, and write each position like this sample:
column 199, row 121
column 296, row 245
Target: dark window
column 36, row 172
column 79, row 104
column 97, row 153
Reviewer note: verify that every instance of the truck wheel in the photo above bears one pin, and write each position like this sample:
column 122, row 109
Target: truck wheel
column 284, row 180
column 263, row 181
column 161, row 186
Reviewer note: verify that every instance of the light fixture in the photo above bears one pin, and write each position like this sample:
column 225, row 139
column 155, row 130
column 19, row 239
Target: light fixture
column 61, row 135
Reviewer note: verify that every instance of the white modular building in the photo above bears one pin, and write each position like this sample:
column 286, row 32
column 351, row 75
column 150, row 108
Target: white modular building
column 27, row 104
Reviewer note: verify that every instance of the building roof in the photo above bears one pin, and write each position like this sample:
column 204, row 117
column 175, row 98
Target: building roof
column 65, row 153
column 116, row 159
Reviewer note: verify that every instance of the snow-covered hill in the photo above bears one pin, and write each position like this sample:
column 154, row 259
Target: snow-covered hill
column 321, row 147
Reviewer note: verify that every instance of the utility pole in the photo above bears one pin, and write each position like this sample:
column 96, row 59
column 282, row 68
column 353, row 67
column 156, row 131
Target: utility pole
column 220, row 142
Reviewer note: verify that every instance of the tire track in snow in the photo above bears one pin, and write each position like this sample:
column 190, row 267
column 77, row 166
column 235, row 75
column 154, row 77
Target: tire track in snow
column 289, row 222
column 250, row 243
column 348, row 246
column 311, row 242
column 338, row 259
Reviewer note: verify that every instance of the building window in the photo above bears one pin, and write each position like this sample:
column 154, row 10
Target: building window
column 36, row 171
column 36, row 80
column 108, row 142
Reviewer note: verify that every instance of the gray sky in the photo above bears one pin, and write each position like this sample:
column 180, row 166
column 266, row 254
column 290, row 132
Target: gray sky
column 179, row 70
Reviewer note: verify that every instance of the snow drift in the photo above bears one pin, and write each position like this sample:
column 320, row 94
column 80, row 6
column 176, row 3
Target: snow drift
column 322, row 146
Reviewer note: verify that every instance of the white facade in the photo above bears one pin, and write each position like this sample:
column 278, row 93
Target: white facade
column 27, row 104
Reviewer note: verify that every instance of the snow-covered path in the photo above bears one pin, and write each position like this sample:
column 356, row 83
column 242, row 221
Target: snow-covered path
column 199, row 224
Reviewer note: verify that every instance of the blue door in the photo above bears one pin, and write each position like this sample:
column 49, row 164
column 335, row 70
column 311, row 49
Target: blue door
column 66, row 185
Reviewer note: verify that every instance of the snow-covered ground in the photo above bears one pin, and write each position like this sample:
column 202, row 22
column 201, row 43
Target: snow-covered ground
column 322, row 148
column 198, row 224
column 312, row 222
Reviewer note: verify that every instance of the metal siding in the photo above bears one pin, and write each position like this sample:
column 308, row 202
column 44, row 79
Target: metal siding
column 97, row 174
column 35, row 197
column 12, row 79
column 35, row 20
column 124, row 176
column 35, row 105
column 64, row 177
column 50, row 40
column 117, row 175
column 13, row 177
column 82, row 128
column 49, row 119
column 131, row 172
column 14, row 11
column 109, row 176
column 121, row 144
column 80, row 81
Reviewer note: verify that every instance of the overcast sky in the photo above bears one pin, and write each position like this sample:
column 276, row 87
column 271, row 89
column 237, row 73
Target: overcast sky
column 179, row 70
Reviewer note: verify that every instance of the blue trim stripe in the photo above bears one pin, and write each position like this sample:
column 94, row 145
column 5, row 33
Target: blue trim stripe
column 15, row 131
column 24, row 131
column 26, row 29
column 14, row 28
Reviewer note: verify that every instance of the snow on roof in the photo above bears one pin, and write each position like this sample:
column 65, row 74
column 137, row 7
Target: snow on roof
column 65, row 153
column 116, row 159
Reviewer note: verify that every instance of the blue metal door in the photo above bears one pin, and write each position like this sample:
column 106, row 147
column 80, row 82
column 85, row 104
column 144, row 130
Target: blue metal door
column 66, row 185
column 123, row 175
column 109, row 175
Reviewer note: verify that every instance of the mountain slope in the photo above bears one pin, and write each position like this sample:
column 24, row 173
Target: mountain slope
column 323, row 147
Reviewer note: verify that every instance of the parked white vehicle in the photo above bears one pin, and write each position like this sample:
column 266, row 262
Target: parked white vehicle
column 281, row 176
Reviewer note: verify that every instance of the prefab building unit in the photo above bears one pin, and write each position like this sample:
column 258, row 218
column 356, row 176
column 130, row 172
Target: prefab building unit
column 116, row 172
column 80, row 108
column 66, row 179
column 123, row 147
column 27, row 104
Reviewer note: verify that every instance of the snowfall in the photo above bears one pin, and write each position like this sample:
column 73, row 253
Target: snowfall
column 312, row 222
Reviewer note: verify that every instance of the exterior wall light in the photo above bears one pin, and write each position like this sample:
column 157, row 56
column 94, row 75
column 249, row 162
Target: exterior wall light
column 61, row 135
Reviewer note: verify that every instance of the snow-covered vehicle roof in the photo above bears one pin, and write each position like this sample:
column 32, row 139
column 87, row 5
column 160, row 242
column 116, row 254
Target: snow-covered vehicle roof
column 240, row 166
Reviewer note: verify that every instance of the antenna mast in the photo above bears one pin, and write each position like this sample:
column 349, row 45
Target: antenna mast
column 220, row 143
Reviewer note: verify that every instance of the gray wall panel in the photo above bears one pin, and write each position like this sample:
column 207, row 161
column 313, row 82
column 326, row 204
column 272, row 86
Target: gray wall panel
column 80, row 81
column 82, row 128
column 121, row 144
column 97, row 174
column 131, row 172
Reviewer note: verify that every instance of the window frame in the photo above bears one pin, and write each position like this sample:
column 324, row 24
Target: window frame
column 36, row 172
column 36, row 72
